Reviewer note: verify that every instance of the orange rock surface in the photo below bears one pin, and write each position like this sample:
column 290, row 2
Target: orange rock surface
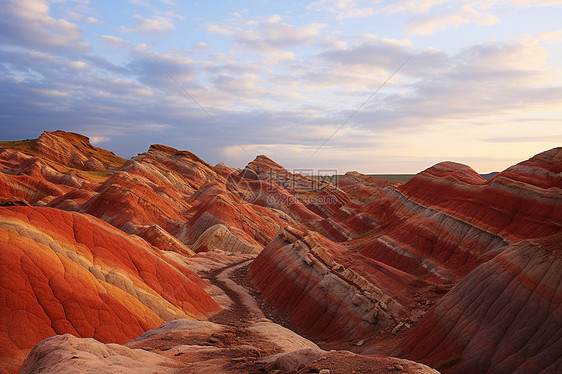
column 72, row 273
column 69, row 149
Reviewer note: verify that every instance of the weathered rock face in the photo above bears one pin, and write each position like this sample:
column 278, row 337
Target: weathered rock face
column 61, row 148
column 447, row 220
column 32, row 180
column 74, row 150
column 264, row 168
column 72, row 273
column 327, row 290
column 184, row 196
column 504, row 317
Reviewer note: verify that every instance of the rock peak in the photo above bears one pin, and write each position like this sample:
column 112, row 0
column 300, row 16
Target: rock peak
column 453, row 171
column 175, row 152
column 266, row 161
column 67, row 136
column 73, row 150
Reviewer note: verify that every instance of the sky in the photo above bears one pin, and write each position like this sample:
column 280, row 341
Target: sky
column 372, row 86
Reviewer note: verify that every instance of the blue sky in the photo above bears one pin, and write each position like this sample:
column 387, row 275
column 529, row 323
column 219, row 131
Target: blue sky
column 482, row 84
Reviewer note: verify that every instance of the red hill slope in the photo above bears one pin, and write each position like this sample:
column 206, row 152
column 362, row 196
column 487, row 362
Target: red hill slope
column 71, row 273
column 504, row 317
column 415, row 240
column 354, row 264
column 58, row 168
column 68, row 149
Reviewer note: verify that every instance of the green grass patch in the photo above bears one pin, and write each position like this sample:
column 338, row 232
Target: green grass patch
column 16, row 143
column 448, row 363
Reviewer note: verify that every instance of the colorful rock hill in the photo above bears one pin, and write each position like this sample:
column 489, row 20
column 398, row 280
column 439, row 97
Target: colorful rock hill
column 448, row 269
column 504, row 317
column 72, row 273
column 445, row 226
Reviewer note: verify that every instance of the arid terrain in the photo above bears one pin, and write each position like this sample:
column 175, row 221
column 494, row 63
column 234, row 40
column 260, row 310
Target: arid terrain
column 165, row 264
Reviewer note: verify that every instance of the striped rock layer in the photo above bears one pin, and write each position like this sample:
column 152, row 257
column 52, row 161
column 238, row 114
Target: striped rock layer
column 63, row 272
column 445, row 226
column 504, row 317
column 346, row 261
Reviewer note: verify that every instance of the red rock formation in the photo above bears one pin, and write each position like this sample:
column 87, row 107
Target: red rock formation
column 352, row 261
column 504, row 317
column 227, row 169
column 73, row 150
column 331, row 293
column 212, row 205
column 447, row 220
column 439, row 227
column 45, row 169
column 72, row 273
column 264, row 168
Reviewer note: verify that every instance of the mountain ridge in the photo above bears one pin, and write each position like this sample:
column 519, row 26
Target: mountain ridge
column 357, row 263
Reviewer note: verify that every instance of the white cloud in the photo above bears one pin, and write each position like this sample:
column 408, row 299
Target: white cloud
column 343, row 9
column 28, row 23
column 427, row 25
column 52, row 93
column 412, row 6
column 217, row 29
column 269, row 34
column 115, row 42
column 537, row 2
column 149, row 25
column 93, row 20
column 98, row 139
column 81, row 18
column 244, row 85
column 550, row 37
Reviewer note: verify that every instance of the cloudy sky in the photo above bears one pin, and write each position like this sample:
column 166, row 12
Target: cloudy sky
column 374, row 86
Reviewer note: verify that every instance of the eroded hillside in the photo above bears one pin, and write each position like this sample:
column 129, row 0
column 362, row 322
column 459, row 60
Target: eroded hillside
column 448, row 269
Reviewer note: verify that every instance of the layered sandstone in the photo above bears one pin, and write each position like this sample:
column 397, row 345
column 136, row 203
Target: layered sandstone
column 354, row 264
column 72, row 273
column 504, row 317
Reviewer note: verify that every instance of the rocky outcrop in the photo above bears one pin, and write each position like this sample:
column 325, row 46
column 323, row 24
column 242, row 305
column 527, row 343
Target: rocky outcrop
column 31, row 179
column 69, row 354
column 204, row 347
column 355, row 264
column 428, row 233
column 264, row 168
column 75, row 151
column 328, row 291
column 447, row 220
column 174, row 347
column 60, row 149
column 220, row 237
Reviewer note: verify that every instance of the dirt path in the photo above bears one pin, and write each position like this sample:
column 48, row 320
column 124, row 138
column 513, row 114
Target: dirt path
column 244, row 307
column 248, row 306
